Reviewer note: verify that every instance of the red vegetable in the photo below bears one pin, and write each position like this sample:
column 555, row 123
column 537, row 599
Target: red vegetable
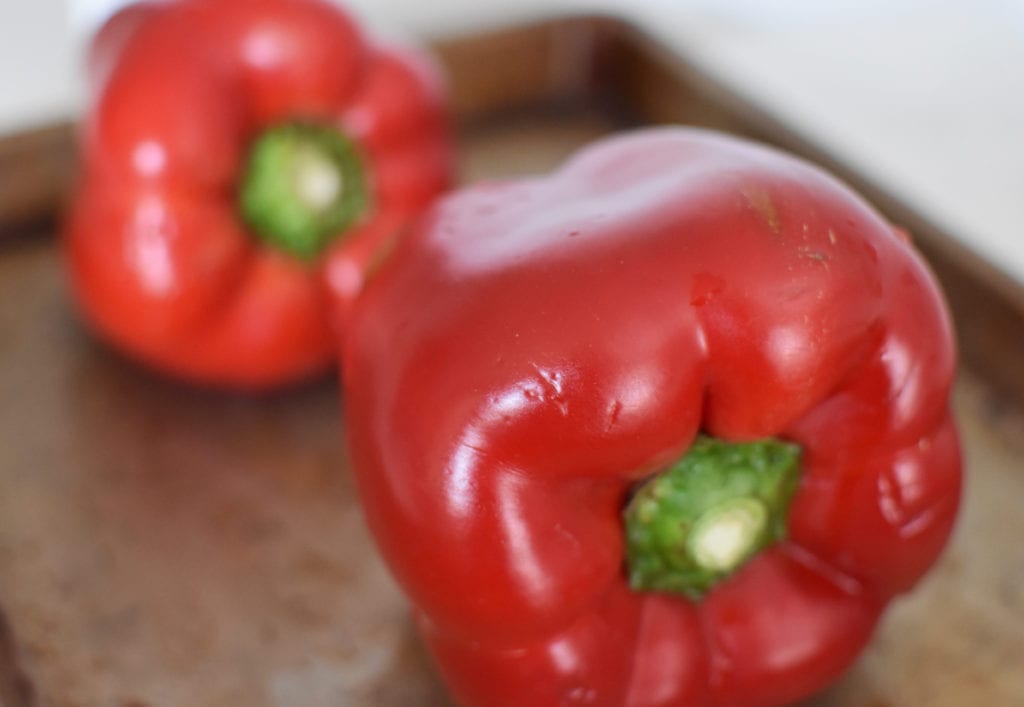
column 526, row 381
column 244, row 165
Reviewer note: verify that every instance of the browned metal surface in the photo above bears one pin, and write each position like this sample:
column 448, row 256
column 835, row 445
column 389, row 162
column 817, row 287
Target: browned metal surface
column 549, row 65
column 161, row 547
column 35, row 170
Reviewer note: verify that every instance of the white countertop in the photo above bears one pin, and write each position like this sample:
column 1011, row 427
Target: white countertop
column 925, row 97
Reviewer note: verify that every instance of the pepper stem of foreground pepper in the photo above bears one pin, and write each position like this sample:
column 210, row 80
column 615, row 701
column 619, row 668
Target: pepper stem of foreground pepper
column 698, row 522
column 303, row 186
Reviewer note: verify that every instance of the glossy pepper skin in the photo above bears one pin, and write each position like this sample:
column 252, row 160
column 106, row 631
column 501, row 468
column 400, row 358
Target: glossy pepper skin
column 164, row 261
column 537, row 348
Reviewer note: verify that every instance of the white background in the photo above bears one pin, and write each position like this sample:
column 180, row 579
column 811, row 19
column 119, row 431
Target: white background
column 926, row 97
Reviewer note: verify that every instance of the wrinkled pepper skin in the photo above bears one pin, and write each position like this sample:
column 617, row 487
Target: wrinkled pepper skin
column 161, row 262
column 536, row 348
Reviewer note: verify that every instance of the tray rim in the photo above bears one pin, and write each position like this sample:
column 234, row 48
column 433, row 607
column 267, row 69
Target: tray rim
column 609, row 63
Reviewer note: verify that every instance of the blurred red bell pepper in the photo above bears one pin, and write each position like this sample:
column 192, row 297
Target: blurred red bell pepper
column 244, row 164
column 667, row 427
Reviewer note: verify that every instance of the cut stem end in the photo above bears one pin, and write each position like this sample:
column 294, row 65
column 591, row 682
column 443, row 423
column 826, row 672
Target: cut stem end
column 700, row 521
column 303, row 186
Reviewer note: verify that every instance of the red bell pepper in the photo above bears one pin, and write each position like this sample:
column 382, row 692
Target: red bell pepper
column 244, row 164
column 670, row 426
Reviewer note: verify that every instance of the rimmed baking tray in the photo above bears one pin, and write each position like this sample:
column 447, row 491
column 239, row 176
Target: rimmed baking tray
column 161, row 546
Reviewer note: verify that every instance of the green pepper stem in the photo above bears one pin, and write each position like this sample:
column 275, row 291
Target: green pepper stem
column 692, row 526
column 304, row 184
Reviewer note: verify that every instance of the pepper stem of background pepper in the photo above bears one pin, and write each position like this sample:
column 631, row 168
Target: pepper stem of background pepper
column 303, row 186
column 698, row 522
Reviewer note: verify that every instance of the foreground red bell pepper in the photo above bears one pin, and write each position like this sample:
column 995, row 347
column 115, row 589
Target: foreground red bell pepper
column 667, row 427
column 245, row 162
